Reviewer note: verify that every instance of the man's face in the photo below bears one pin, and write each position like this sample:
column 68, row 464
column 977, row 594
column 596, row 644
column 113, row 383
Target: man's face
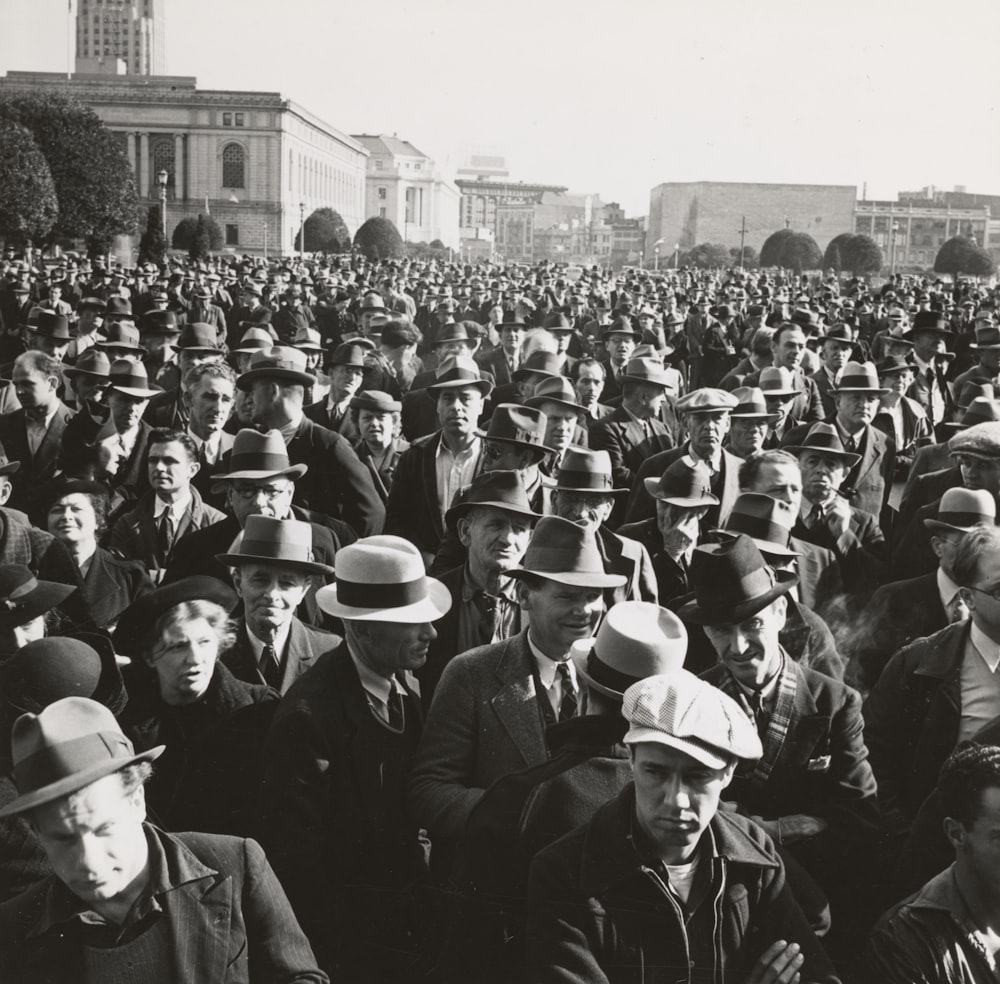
column 260, row 497
column 396, row 646
column 126, row 411
column 978, row 846
column 676, row 797
column 265, row 400
column 185, row 662
column 679, row 526
column 586, row 509
column 452, row 348
column 52, row 347
column 496, row 539
column 501, row 456
column 344, row 382
column 927, row 344
column 856, row 410
column 510, row 339
column 95, row 843
column 459, row 409
column 561, row 614
column 159, row 347
column 822, row 475
column 589, row 385
column 750, row 649
column 89, row 320
column 985, row 609
column 707, row 431
column 897, row 382
column 170, row 468
column 789, row 348
column 835, row 355
column 620, row 347
column 270, row 596
column 747, row 435
column 990, row 360
column 780, row 481
column 210, row 404
column 645, row 400
column 34, row 390
column 979, row 473
column 560, row 425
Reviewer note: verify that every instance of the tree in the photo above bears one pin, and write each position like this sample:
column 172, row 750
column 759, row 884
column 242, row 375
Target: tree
column 201, row 241
column 708, row 255
column 437, row 244
column 28, row 205
column 379, row 239
column 836, row 252
column 857, row 253
column 184, row 232
column 961, row 254
column 799, row 252
column 325, row 231
column 153, row 245
column 770, row 252
column 749, row 259
column 90, row 171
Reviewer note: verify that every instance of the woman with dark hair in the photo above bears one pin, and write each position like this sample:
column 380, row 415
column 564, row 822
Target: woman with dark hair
column 183, row 697
column 77, row 515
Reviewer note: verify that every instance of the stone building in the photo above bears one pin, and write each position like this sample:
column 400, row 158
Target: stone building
column 131, row 31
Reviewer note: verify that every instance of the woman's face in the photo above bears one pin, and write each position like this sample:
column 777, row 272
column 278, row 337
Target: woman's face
column 376, row 428
column 186, row 661
column 73, row 521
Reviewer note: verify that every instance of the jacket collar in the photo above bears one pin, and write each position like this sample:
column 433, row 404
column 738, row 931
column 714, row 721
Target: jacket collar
column 942, row 653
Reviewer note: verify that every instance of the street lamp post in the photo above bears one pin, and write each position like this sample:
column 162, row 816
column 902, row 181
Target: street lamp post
column 265, row 240
column 302, row 232
column 677, row 256
column 656, row 255
column 161, row 181
column 895, row 230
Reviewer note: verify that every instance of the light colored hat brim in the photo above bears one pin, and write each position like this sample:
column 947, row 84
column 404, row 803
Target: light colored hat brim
column 575, row 579
column 937, row 526
column 874, row 390
column 848, row 457
column 292, row 471
column 784, row 393
column 436, row 605
column 698, row 751
column 143, row 394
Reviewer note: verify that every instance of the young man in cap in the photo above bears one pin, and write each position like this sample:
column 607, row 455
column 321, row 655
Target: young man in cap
column 336, row 763
column 663, row 866
column 493, row 703
column 125, row 898
column 337, row 483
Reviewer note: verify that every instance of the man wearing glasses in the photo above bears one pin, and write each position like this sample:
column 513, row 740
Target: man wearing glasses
column 938, row 691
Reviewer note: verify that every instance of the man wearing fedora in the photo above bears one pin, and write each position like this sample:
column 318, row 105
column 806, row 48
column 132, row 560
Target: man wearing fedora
column 335, row 769
column 87, row 379
column 930, row 388
column 436, row 467
column 196, row 346
column 620, row 338
column 336, row 483
column 127, row 396
column 272, row 570
column 32, row 435
column 838, row 345
column 987, row 369
column 125, row 898
column 504, row 360
column 789, row 348
column 345, row 369
column 563, row 418
column 620, row 898
column 812, row 790
column 750, row 422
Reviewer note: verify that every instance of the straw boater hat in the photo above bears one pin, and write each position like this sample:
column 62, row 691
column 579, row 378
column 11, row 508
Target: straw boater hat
column 255, row 456
column 272, row 542
column 825, row 439
column 637, row 639
column 65, row 747
column 583, row 470
column 130, row 378
column 564, row 552
column 961, row 510
column 766, row 520
column 382, row 579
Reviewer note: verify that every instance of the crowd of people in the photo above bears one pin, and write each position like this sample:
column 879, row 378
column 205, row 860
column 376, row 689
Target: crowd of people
column 397, row 621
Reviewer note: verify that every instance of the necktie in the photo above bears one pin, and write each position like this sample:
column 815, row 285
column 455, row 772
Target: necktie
column 270, row 668
column 395, row 705
column 957, row 611
column 850, row 444
column 489, row 616
column 815, row 516
column 568, row 704
column 164, row 535
column 759, row 713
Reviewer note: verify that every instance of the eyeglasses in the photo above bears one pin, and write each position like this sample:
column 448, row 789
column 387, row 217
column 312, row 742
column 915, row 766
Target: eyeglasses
column 993, row 593
column 249, row 493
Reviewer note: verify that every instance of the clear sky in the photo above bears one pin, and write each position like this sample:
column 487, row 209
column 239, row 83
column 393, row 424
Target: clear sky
column 612, row 96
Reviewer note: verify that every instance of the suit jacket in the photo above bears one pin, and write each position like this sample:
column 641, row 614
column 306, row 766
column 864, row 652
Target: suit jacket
column 920, row 390
column 318, row 413
column 203, row 481
column 385, row 474
column 167, row 410
column 419, row 416
column 926, row 459
column 38, row 468
column 495, row 362
column 305, row 645
column 926, row 489
column 134, row 535
column 111, row 585
column 808, row 405
column 228, row 920
column 917, row 432
column 897, row 614
column 337, row 484
column 825, row 386
column 734, row 378
column 626, row 441
column 630, row 558
column 820, row 580
column 484, row 722
column 132, row 479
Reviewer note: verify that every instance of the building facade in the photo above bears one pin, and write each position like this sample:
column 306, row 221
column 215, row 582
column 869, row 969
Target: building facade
column 686, row 214
column 132, row 31
column 257, row 162
column 406, row 187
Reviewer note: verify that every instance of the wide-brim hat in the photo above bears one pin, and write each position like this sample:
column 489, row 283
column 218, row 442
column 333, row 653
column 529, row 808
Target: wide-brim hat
column 23, row 597
column 987, row 339
column 348, row 354
column 766, row 520
column 198, row 337
column 7, row 467
column 686, row 483
column 843, row 335
column 498, row 489
column 621, row 326
column 732, row 582
column 777, row 381
column 894, row 365
column 457, row 372
column 308, row 340
column 130, row 378
column 929, row 321
column 51, row 325
column 637, row 639
column 285, row 543
column 141, row 616
column 160, row 323
column 539, row 363
column 751, row 405
column 567, row 553
column 519, row 426
column 647, row 371
column 121, row 337
column 65, row 747
column 825, row 439
column 92, row 363
column 859, row 377
column 282, row 363
column 255, row 339
column 961, row 510
column 382, row 579
column 257, row 456
column 587, row 471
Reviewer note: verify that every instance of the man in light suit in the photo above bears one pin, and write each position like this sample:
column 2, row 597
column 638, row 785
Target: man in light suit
column 272, row 569
column 492, row 704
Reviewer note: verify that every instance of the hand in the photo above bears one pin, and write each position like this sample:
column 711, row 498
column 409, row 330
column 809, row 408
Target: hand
column 838, row 516
column 799, row 826
column 677, row 543
column 780, row 963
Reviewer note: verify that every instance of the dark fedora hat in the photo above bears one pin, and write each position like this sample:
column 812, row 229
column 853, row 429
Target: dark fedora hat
column 376, row 401
column 583, row 470
column 282, row 363
column 567, row 553
column 348, row 354
column 130, row 378
column 891, row 365
column 621, row 326
column 121, row 337
column 685, row 482
column 453, row 332
column 65, row 747
column 805, row 318
column 766, row 520
column 520, row 426
column 498, row 489
column 256, row 456
column 929, row 321
column 732, row 582
column 459, row 371
column 62, row 486
column 987, row 338
column 197, row 337
column 558, row 390
column 7, row 467
column 51, row 325
column 119, row 308
column 90, row 425
column 843, row 335
column 981, row 408
column 159, row 323
column 539, row 363
column 825, row 439
column 255, row 338
column 24, row 598
column 275, row 543
column 92, row 304
column 859, row 377
column 138, row 620
column 93, row 363
column 557, row 321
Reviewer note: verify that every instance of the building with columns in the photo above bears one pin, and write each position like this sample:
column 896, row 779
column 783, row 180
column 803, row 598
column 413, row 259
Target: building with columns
column 256, row 161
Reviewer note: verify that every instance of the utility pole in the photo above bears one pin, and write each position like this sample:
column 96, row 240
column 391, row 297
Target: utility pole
column 743, row 236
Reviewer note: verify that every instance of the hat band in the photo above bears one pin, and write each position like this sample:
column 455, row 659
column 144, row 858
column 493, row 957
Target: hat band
column 56, row 762
column 751, row 409
column 963, row 518
column 259, row 461
column 276, row 550
column 356, row 594
column 10, row 602
column 758, row 528
column 606, row 676
column 584, row 481
column 553, row 560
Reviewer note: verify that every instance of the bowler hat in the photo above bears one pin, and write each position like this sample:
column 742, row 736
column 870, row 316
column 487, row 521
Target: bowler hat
column 382, row 579
column 686, row 713
column 93, row 363
column 65, row 747
column 637, row 639
column 583, row 470
column 751, row 405
column 558, row 390
column 257, row 456
column 459, row 371
column 197, row 337
column 706, row 400
column 130, row 378
column 685, row 482
column 273, row 542
column 859, row 377
column 255, row 340
column 348, row 354
column 567, row 553
column 500, row 489
column 777, row 381
column 539, row 363
column 766, row 520
column 960, row 510
column 121, row 337
column 376, row 401
column 520, row 426
column 825, row 439
column 282, row 363
column 51, row 325
column 159, row 323
column 732, row 582
column 24, row 598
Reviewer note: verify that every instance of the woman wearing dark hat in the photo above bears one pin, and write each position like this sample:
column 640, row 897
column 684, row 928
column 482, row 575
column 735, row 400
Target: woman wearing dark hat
column 376, row 418
column 25, row 601
column 77, row 515
column 182, row 696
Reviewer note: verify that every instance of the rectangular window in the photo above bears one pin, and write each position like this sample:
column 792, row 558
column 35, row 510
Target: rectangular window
column 378, row 165
column 382, row 194
column 241, row 119
column 227, row 119
column 381, row 213
column 232, row 234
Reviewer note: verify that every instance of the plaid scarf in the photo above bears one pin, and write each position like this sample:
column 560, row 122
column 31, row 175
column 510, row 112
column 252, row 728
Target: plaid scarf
column 778, row 721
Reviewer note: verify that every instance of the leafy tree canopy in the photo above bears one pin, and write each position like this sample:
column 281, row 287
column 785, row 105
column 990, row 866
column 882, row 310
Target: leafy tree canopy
column 184, row 232
column 379, row 238
column 963, row 255
column 854, row 252
column 153, row 245
column 28, row 204
column 325, row 231
column 770, row 252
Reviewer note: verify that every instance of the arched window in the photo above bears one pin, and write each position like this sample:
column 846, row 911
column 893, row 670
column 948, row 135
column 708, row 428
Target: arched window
column 234, row 166
column 163, row 160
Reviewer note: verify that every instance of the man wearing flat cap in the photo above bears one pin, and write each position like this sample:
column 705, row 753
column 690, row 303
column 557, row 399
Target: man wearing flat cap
column 126, row 901
column 660, row 872
column 336, row 763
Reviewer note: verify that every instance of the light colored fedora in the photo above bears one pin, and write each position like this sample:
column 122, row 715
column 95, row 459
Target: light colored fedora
column 255, row 455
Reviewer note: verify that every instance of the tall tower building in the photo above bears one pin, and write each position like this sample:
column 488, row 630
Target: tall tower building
column 131, row 31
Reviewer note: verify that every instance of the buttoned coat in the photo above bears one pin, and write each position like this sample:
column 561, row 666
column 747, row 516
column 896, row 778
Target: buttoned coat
column 929, row 458
column 305, row 645
column 38, row 468
column 626, row 442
